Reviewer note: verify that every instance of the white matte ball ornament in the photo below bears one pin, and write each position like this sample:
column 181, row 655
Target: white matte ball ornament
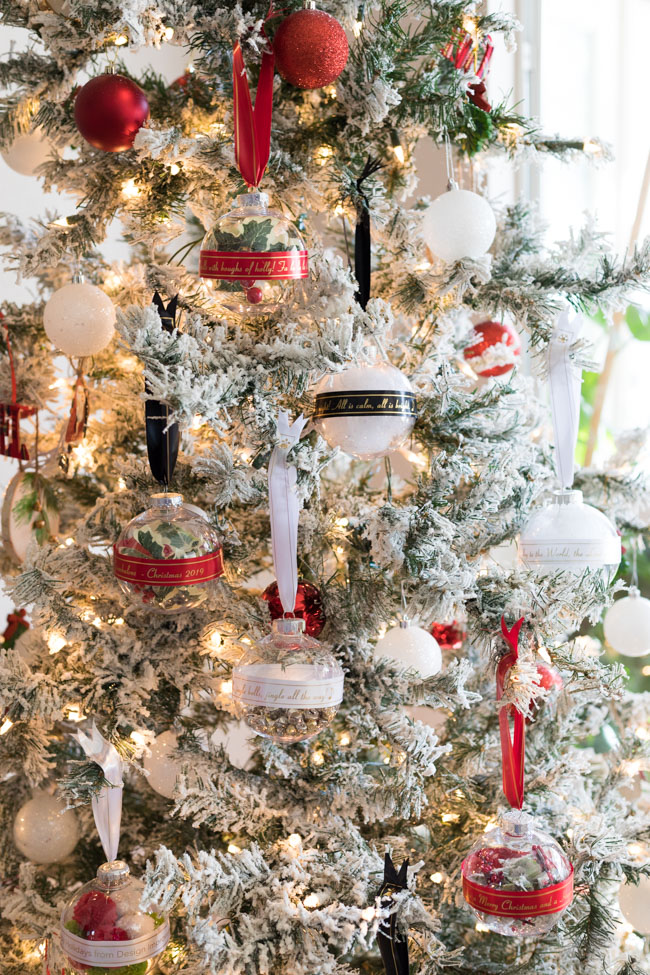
column 235, row 737
column 27, row 152
column 568, row 535
column 627, row 625
column 363, row 425
column 163, row 770
column 79, row 319
column 44, row 830
column 411, row 647
column 634, row 902
column 459, row 224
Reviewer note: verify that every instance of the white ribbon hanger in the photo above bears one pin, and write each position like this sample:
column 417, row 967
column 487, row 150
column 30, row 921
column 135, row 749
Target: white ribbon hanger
column 284, row 508
column 565, row 380
column 107, row 806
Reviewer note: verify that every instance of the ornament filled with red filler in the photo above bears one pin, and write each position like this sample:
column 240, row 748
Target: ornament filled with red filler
column 310, row 47
column 168, row 557
column 516, row 878
column 308, row 606
column 493, row 349
column 109, row 111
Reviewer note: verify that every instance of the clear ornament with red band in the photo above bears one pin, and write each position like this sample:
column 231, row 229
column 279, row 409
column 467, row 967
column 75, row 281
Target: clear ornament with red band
column 310, row 47
column 493, row 349
column 516, row 878
column 103, row 927
column 253, row 258
column 288, row 686
column 168, row 557
column 308, row 606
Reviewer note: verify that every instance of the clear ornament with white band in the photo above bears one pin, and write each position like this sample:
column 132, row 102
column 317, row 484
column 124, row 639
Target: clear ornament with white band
column 567, row 534
column 287, row 686
column 103, row 927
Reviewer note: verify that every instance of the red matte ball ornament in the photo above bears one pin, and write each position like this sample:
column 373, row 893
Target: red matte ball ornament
column 308, row 607
column 310, row 48
column 109, row 110
column 493, row 348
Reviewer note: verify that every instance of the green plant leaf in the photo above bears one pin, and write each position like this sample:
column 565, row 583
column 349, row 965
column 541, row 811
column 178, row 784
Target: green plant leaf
column 638, row 323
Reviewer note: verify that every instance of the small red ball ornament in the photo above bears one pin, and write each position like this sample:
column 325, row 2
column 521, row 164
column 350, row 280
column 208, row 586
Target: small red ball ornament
column 492, row 351
column 254, row 295
column 310, row 48
column 109, row 110
column 549, row 677
column 309, row 606
column 449, row 636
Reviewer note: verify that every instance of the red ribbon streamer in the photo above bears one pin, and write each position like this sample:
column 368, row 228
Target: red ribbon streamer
column 512, row 751
column 252, row 125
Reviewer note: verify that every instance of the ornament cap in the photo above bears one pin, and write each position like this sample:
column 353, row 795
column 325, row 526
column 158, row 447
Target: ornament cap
column 308, row 4
column 452, row 185
column 633, row 592
column 405, row 623
column 113, row 874
column 254, row 199
column 514, row 822
column 289, row 626
column 166, row 499
column 567, row 496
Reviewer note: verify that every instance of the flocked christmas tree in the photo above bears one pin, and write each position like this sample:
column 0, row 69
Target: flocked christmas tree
column 320, row 372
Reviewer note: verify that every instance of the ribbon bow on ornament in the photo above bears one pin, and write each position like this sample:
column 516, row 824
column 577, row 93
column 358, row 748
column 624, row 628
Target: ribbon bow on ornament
column 11, row 413
column 284, row 507
column 253, row 124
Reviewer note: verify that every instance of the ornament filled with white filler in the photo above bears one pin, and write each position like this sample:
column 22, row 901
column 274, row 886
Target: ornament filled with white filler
column 367, row 410
column 627, row 625
column 79, row 319
column 567, row 534
column 411, row 647
column 459, row 224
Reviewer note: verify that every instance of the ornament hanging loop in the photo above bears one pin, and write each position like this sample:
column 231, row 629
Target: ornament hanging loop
column 449, row 161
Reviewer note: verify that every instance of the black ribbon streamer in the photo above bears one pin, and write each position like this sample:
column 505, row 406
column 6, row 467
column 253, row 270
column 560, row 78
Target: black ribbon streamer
column 394, row 949
column 162, row 440
column 362, row 248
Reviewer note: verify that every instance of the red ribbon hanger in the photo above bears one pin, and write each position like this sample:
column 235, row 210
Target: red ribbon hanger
column 252, row 125
column 10, row 413
column 512, row 750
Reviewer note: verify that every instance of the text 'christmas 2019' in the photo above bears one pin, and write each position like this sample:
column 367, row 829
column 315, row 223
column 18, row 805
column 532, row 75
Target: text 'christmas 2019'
column 168, row 572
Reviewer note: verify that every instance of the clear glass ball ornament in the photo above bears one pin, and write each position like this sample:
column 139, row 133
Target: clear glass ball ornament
column 627, row 625
column 168, row 557
column 287, row 687
column 459, row 224
column 571, row 536
column 79, row 319
column 253, row 258
column 411, row 647
column 517, row 879
column 366, row 410
column 104, row 929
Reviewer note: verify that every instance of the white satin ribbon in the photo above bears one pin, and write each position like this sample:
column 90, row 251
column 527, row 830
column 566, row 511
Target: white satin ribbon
column 107, row 806
column 565, row 380
column 284, row 509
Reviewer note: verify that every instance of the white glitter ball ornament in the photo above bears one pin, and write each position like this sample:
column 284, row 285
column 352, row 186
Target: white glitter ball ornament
column 79, row 319
column 366, row 410
column 627, row 625
column 44, row 830
column 411, row 647
column 459, row 224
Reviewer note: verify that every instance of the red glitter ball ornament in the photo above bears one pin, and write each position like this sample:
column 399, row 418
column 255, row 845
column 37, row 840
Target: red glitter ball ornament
column 311, row 48
column 109, row 110
column 309, row 606
column 449, row 636
column 483, row 354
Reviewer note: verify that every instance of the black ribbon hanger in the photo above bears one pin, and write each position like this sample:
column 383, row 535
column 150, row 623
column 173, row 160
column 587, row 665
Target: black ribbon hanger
column 162, row 439
column 393, row 947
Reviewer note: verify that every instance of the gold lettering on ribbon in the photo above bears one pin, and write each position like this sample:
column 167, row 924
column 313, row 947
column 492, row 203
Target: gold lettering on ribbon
column 362, row 403
column 251, row 266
